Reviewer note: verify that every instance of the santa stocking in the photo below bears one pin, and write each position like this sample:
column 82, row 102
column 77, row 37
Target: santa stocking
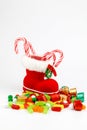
column 39, row 69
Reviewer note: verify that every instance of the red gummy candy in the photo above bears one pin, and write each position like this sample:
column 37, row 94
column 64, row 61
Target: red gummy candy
column 65, row 104
column 57, row 109
column 26, row 105
column 41, row 97
column 78, row 106
column 16, row 107
column 55, row 97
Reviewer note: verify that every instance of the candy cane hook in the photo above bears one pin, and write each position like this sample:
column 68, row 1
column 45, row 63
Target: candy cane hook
column 27, row 46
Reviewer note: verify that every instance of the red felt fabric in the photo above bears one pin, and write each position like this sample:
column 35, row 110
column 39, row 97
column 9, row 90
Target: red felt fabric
column 35, row 80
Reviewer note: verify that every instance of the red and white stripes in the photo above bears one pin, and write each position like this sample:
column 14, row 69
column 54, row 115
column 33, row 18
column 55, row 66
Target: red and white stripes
column 30, row 52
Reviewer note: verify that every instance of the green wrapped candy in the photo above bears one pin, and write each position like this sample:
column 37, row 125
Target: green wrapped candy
column 80, row 96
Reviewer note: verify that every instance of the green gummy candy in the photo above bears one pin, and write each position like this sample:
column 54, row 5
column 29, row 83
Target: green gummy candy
column 34, row 99
column 10, row 98
column 73, row 99
column 46, row 108
column 10, row 103
column 47, row 97
column 30, row 110
column 19, row 103
column 51, row 103
column 27, row 95
column 40, row 103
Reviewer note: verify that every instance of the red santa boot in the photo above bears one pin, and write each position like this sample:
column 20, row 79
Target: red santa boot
column 37, row 68
column 35, row 80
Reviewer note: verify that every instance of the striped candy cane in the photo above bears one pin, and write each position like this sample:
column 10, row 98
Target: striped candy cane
column 27, row 46
column 30, row 52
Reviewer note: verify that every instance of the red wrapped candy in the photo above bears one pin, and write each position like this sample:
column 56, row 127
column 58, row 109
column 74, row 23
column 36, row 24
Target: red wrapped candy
column 78, row 106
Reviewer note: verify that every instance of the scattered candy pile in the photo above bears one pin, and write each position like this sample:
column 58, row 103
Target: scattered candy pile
column 42, row 103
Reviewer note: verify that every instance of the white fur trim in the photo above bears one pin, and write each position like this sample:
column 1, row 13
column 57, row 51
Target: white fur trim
column 35, row 65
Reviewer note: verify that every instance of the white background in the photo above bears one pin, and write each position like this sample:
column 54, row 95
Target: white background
column 48, row 25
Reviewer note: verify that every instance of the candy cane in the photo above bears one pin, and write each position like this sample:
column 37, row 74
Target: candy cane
column 27, row 46
column 48, row 55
